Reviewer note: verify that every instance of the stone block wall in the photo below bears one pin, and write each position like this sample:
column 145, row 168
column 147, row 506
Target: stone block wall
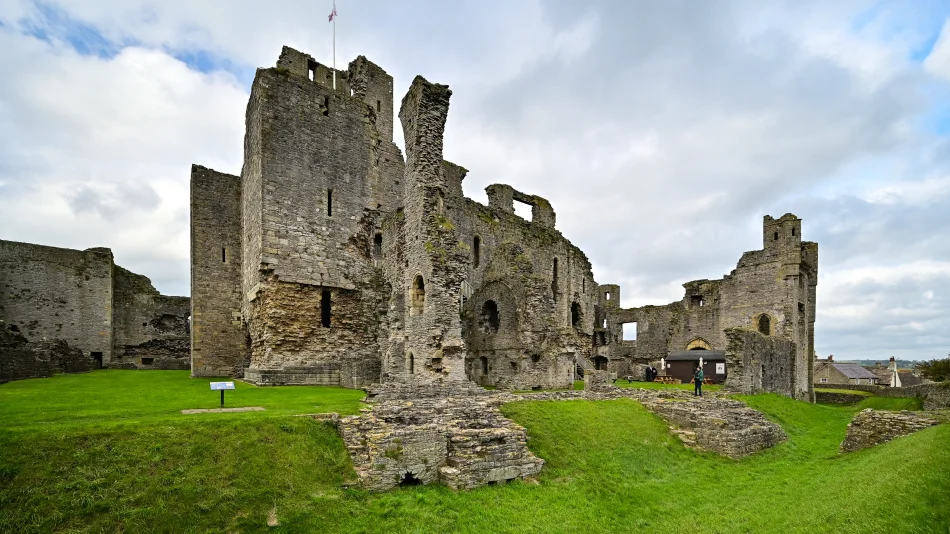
column 873, row 427
column 759, row 363
column 150, row 330
column 58, row 293
column 218, row 338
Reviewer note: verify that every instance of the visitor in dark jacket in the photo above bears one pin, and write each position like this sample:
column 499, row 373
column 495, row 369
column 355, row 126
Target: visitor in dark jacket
column 698, row 379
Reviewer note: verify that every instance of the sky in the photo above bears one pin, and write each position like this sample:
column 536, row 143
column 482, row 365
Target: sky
column 661, row 131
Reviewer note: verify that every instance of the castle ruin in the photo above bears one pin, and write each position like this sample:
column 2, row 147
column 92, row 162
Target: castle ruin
column 113, row 317
column 333, row 259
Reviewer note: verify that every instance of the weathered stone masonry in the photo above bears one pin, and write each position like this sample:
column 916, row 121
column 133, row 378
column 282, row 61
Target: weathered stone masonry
column 359, row 266
column 113, row 316
column 771, row 291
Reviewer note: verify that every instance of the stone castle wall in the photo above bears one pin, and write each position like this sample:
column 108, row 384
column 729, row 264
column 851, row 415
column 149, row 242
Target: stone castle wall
column 58, row 293
column 771, row 290
column 115, row 318
column 334, row 222
column 217, row 329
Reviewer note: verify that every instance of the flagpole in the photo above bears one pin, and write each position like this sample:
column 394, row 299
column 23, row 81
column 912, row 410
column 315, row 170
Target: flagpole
column 334, row 45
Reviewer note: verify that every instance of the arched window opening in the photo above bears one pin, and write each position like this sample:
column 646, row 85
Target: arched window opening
column 418, row 296
column 775, row 236
column 484, row 362
column 575, row 314
column 765, row 324
column 325, row 308
column 476, row 250
column 699, row 344
column 489, row 320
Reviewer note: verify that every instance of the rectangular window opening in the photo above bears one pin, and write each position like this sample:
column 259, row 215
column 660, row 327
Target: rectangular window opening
column 325, row 308
column 379, row 106
column 476, row 250
column 378, row 245
column 329, row 203
column 523, row 210
column 224, row 255
column 697, row 301
column 629, row 331
column 148, row 361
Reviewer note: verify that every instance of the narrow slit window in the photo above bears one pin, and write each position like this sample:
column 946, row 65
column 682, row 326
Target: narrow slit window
column 379, row 106
column 224, row 255
column 329, row 203
column 325, row 308
column 378, row 245
column 326, row 106
column 476, row 250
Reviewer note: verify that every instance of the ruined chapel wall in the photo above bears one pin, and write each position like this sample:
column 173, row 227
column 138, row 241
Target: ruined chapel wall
column 150, row 330
column 57, row 293
column 217, row 333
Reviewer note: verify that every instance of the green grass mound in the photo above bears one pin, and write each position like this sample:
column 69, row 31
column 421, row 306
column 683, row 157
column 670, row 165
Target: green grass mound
column 611, row 467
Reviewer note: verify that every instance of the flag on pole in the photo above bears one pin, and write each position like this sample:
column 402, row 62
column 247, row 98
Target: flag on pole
column 332, row 13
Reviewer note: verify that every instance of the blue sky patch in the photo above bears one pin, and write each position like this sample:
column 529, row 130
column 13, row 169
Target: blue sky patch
column 55, row 24
column 206, row 61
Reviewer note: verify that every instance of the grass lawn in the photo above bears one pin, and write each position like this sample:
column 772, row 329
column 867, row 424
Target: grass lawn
column 110, row 397
column 611, row 467
column 657, row 385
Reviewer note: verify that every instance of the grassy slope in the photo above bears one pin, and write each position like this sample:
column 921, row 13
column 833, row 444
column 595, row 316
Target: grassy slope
column 611, row 467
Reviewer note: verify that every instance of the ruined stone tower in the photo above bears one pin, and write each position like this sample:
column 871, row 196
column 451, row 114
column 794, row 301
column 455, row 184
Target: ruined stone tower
column 332, row 260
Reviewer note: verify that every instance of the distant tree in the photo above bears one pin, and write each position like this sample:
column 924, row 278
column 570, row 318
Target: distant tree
column 936, row 370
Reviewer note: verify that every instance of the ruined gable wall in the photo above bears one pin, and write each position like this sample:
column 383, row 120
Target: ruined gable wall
column 147, row 324
column 433, row 250
column 57, row 293
column 537, row 338
column 217, row 333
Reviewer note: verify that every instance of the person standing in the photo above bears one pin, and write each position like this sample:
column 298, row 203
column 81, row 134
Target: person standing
column 698, row 379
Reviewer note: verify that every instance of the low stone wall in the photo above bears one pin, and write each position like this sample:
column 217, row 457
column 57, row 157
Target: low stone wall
column 827, row 397
column 935, row 395
column 723, row 426
column 20, row 359
column 461, row 441
column 873, row 427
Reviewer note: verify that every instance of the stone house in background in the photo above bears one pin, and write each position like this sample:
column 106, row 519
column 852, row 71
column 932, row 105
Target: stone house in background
column 334, row 259
column 116, row 318
column 831, row 372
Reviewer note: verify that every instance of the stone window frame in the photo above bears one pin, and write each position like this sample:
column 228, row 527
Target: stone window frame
column 756, row 323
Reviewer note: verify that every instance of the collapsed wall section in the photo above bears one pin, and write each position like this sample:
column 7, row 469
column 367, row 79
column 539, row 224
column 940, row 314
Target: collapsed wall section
column 218, row 346
column 150, row 330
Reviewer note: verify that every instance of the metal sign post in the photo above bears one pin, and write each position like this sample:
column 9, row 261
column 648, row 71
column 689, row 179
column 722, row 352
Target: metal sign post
column 221, row 386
